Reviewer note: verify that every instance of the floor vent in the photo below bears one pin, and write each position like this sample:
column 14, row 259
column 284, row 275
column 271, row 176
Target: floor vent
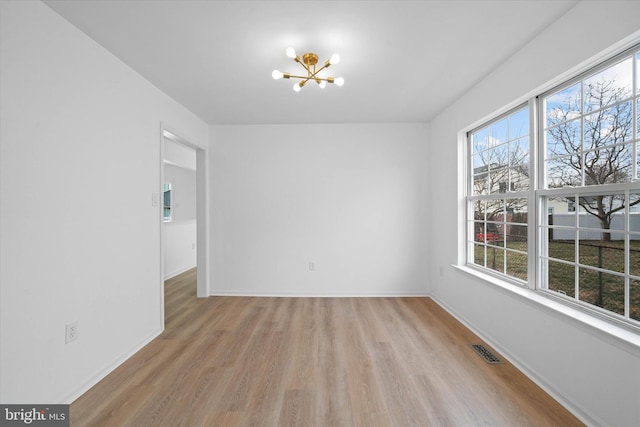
column 485, row 353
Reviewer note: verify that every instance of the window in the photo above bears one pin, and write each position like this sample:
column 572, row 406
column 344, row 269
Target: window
column 499, row 191
column 590, row 162
column 166, row 211
column 586, row 244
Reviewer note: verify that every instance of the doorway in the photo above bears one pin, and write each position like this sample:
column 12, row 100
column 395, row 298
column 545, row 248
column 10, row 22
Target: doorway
column 184, row 202
column 178, row 209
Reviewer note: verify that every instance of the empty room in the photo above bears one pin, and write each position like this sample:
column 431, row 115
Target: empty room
column 320, row 213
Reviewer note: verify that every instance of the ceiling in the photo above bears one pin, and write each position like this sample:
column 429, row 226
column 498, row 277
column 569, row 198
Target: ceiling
column 402, row 61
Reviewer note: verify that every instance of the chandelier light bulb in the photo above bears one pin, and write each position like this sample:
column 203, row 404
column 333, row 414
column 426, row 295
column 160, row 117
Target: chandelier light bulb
column 296, row 87
column 291, row 52
column 339, row 81
column 322, row 84
column 335, row 59
column 277, row 75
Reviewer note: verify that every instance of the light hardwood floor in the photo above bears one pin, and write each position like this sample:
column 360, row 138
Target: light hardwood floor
column 249, row 361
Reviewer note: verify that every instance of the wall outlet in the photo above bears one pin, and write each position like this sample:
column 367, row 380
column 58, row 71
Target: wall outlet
column 312, row 265
column 71, row 332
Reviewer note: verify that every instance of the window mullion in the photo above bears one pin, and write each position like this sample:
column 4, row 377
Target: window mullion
column 533, row 219
column 576, row 237
column 635, row 72
column 627, row 252
column 582, row 135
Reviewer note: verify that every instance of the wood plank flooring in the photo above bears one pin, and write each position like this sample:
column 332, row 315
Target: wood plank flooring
column 250, row 361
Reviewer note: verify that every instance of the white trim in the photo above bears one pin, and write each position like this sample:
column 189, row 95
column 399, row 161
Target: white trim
column 463, row 204
column 577, row 410
column 178, row 272
column 203, row 206
column 533, row 204
column 317, row 295
column 614, row 188
column 162, row 222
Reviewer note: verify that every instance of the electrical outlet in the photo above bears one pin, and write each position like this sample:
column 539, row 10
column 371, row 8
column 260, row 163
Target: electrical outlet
column 312, row 265
column 71, row 332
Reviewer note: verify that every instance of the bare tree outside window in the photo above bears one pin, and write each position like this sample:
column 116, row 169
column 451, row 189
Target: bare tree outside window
column 589, row 134
column 501, row 162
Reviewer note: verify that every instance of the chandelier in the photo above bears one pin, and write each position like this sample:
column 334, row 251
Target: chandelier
column 309, row 62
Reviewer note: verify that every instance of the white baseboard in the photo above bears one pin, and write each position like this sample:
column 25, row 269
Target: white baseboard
column 177, row 272
column 316, row 295
column 534, row 376
column 95, row 379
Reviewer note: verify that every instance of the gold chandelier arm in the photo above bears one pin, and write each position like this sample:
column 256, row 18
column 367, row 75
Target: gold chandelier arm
column 299, row 77
column 306, row 78
column 306, row 67
column 326, row 65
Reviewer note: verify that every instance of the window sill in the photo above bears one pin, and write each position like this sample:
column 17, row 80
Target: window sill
column 626, row 336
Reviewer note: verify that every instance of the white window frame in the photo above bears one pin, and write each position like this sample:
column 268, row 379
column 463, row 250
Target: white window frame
column 470, row 199
column 538, row 193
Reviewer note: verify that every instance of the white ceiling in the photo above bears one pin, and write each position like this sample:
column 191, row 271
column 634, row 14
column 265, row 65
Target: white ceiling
column 402, row 61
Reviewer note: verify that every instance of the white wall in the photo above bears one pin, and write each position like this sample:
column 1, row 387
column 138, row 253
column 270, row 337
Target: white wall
column 597, row 375
column 178, row 154
column 80, row 237
column 183, row 192
column 179, row 247
column 179, row 234
column 349, row 198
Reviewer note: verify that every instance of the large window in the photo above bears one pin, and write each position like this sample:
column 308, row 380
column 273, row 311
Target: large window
column 584, row 179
